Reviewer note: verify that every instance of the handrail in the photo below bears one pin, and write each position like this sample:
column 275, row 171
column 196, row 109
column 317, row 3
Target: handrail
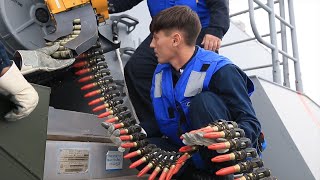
column 286, row 79
column 269, row 10
column 273, row 44
column 245, row 40
column 299, row 86
column 258, row 67
column 254, row 26
column 246, row 11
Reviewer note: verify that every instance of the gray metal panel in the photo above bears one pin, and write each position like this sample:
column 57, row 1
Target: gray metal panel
column 72, row 123
column 289, row 133
column 97, row 161
column 22, row 143
column 64, row 122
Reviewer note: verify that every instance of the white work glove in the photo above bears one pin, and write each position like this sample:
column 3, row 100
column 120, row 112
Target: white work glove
column 23, row 95
column 40, row 60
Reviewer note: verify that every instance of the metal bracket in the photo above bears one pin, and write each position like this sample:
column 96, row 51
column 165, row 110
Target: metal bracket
column 106, row 44
column 88, row 35
column 129, row 21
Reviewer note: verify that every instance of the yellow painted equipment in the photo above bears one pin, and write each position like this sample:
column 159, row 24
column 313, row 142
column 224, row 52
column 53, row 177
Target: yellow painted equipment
column 58, row 6
column 101, row 7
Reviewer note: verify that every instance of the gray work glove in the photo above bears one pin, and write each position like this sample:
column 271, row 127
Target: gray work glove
column 40, row 60
column 196, row 139
column 21, row 93
column 114, row 136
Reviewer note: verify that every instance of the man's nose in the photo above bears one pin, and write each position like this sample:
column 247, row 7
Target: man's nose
column 152, row 43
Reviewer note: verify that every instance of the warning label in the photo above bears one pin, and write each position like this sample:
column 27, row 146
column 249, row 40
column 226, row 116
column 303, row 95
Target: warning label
column 73, row 161
column 114, row 160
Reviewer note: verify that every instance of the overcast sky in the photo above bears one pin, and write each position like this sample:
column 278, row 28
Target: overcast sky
column 307, row 13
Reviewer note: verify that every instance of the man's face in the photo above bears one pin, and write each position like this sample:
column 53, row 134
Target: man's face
column 163, row 47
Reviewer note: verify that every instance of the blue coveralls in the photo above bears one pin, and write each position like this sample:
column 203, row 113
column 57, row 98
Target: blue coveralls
column 4, row 59
column 224, row 95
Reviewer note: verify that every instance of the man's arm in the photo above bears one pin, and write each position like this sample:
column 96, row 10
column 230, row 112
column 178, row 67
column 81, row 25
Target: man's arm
column 117, row 6
column 13, row 84
column 219, row 18
column 230, row 83
column 219, row 24
column 4, row 60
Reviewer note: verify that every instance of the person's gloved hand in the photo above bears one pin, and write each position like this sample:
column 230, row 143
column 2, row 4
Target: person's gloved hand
column 127, row 135
column 124, row 132
column 225, row 136
column 40, row 60
column 218, row 132
column 23, row 95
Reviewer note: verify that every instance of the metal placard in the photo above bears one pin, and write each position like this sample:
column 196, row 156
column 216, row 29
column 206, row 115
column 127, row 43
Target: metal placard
column 72, row 161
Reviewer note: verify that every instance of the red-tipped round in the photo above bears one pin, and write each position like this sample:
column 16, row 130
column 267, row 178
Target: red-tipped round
column 81, row 56
column 213, row 135
column 198, row 130
column 92, row 93
column 194, row 131
column 183, row 158
column 125, row 138
column 186, row 148
column 128, row 145
column 205, row 130
column 88, row 86
column 132, row 154
column 112, row 120
column 123, row 131
column 85, row 79
column 96, row 101
column 177, row 168
column 163, row 175
column 99, row 108
column 170, row 173
column 137, row 163
column 144, row 171
column 221, row 158
column 208, row 130
column 154, row 174
column 83, row 71
column 80, row 64
column 105, row 114
column 117, row 126
column 217, row 146
column 226, row 171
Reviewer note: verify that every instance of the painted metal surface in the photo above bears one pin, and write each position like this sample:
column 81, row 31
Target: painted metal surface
column 291, row 123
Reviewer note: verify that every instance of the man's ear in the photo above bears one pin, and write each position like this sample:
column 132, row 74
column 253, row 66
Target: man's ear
column 176, row 39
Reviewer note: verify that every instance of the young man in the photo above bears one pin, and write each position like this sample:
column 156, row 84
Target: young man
column 215, row 22
column 193, row 87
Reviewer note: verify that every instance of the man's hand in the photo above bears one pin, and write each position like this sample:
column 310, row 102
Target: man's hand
column 40, row 60
column 21, row 93
column 211, row 42
column 226, row 135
